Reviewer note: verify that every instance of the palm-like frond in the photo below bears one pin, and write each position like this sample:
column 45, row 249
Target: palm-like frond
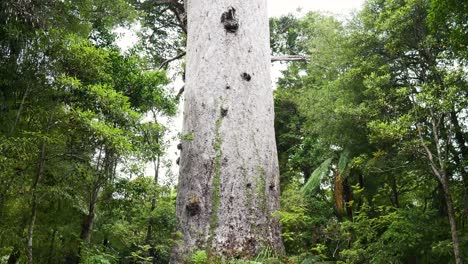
column 343, row 163
column 316, row 177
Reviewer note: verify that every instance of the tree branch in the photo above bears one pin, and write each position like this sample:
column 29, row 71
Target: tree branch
column 430, row 156
column 166, row 2
column 166, row 62
column 290, row 58
column 435, row 126
column 178, row 8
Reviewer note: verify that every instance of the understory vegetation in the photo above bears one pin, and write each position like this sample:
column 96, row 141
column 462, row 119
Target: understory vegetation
column 371, row 134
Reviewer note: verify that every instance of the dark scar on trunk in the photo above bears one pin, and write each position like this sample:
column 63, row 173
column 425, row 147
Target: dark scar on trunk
column 230, row 21
column 224, row 111
column 193, row 206
column 246, row 76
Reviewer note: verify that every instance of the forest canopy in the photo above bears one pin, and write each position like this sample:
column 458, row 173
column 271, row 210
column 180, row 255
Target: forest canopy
column 371, row 133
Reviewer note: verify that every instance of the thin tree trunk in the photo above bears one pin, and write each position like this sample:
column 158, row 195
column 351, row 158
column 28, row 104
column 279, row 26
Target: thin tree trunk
column 229, row 180
column 105, row 170
column 348, row 196
column 307, row 171
column 29, row 245
column 441, row 174
column 395, row 199
column 20, row 109
column 105, row 242
column 34, row 202
column 453, row 224
column 88, row 220
column 149, row 231
column 87, row 224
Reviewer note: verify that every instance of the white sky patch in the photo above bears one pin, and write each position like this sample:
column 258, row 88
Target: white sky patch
column 339, row 7
column 127, row 37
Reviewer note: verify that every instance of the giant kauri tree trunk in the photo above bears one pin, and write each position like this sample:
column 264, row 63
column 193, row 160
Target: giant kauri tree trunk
column 229, row 180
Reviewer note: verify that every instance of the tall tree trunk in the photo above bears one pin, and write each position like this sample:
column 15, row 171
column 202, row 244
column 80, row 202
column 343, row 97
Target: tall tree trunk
column 86, row 225
column 19, row 111
column 438, row 166
column 453, row 224
column 105, row 170
column 229, row 180
column 88, row 220
column 34, row 201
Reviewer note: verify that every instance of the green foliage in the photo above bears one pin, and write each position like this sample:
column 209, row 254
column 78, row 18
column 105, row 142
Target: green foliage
column 72, row 121
column 400, row 230
column 303, row 219
column 378, row 90
column 99, row 256
column 200, row 257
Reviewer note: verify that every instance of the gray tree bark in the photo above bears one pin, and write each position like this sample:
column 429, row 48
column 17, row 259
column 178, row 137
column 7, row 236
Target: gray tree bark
column 440, row 172
column 229, row 179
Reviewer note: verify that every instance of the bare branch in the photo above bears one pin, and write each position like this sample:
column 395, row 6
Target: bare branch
column 166, row 2
column 181, row 16
column 430, row 156
column 290, row 58
column 178, row 8
column 435, row 129
column 166, row 62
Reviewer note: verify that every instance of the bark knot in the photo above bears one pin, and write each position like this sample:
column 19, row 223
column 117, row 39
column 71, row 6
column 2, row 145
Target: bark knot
column 246, row 76
column 230, row 21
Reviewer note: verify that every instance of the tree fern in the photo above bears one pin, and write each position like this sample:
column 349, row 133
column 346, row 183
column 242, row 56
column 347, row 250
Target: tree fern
column 316, row 177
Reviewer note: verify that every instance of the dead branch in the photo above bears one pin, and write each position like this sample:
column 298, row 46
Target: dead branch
column 290, row 58
column 166, row 62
